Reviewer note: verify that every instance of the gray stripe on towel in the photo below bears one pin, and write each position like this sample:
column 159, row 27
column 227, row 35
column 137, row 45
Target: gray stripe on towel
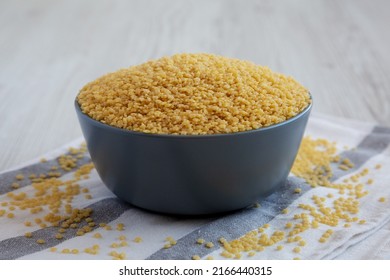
column 7, row 178
column 373, row 144
column 237, row 224
column 104, row 211
column 233, row 225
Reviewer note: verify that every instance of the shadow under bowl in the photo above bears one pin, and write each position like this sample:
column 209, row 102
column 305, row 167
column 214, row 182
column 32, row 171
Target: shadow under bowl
column 193, row 174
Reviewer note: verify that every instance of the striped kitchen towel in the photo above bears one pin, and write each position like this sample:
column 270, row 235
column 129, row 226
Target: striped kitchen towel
column 57, row 208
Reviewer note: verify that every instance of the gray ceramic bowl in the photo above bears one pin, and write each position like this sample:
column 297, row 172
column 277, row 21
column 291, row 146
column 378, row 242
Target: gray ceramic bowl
column 193, row 175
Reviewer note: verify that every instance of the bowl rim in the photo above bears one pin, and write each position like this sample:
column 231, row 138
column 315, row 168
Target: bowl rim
column 194, row 136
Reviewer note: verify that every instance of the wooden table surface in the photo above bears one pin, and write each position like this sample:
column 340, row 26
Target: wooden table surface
column 50, row 49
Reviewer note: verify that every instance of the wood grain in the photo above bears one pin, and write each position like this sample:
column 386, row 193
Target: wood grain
column 50, row 49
